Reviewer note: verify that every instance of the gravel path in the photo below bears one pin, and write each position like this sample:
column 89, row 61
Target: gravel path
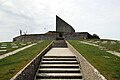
column 14, row 52
column 101, row 47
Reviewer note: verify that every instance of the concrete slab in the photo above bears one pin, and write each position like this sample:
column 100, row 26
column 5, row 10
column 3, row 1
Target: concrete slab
column 60, row 74
column 59, row 79
column 59, row 61
column 61, row 69
column 59, row 65
column 60, row 52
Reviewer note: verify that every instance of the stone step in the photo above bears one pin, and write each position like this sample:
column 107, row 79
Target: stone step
column 52, row 66
column 59, row 70
column 60, row 45
column 59, row 76
column 59, row 62
column 59, row 79
column 59, row 57
column 59, row 65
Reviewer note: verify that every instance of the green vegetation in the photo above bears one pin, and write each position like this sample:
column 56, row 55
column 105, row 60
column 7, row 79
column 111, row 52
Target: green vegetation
column 106, row 63
column 11, row 46
column 9, row 66
column 113, row 45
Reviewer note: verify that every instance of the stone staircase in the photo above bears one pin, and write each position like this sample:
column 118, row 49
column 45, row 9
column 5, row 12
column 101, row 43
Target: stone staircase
column 60, row 43
column 59, row 68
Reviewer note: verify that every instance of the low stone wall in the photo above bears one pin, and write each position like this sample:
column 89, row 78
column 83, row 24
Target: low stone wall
column 29, row 71
column 89, row 72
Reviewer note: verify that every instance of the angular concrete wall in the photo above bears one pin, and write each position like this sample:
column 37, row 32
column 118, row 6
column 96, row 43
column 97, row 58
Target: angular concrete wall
column 63, row 31
column 62, row 26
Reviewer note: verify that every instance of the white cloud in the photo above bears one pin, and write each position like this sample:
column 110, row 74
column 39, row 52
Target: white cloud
column 95, row 16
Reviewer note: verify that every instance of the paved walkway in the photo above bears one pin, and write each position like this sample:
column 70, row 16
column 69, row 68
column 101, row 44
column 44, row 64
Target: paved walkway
column 14, row 52
column 101, row 47
column 60, row 52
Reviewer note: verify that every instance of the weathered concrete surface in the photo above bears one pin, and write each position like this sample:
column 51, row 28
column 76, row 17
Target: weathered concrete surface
column 62, row 26
column 89, row 72
column 60, row 52
column 59, row 64
column 14, row 52
column 60, row 79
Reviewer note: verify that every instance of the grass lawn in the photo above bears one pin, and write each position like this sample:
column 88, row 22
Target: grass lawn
column 8, row 46
column 106, row 63
column 113, row 45
column 9, row 66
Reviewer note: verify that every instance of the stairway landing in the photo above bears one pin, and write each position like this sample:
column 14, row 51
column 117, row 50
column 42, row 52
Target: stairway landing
column 59, row 52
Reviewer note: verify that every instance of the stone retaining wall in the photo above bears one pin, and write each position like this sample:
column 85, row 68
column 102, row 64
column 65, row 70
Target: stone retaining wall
column 29, row 71
column 89, row 72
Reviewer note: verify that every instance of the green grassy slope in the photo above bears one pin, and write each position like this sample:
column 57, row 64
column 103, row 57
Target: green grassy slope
column 113, row 45
column 106, row 63
column 9, row 66
column 9, row 46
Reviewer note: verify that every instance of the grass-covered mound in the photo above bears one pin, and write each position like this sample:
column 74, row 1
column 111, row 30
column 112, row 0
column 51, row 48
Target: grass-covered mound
column 112, row 45
column 9, row 66
column 11, row 46
column 106, row 63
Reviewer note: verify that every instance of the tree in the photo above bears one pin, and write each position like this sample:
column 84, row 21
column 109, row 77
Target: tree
column 96, row 36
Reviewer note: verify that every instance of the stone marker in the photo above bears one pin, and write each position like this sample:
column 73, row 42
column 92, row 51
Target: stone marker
column 14, row 46
column 113, row 42
column 96, row 42
column 104, row 42
column 3, row 50
column 91, row 41
column 22, row 44
column 39, row 41
column 3, row 47
column 29, row 42
column 106, row 56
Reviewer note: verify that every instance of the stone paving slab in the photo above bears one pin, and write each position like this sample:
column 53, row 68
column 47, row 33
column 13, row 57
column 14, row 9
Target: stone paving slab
column 60, row 52
column 59, row 65
column 60, row 79
column 60, row 74
column 62, row 69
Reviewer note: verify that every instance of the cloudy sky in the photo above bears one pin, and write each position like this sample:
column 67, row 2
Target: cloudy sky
column 38, row 16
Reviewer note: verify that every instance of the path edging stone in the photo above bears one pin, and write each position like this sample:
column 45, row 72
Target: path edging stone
column 109, row 51
column 89, row 72
column 15, row 51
